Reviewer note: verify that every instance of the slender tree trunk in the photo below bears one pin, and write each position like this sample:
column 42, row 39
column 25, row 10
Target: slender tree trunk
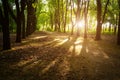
column 5, row 25
column 105, row 11
column 78, row 16
column 118, row 36
column 23, row 26
column 23, row 4
column 18, row 35
column 72, row 6
column 51, row 20
column 85, row 15
column 59, row 28
column 62, row 14
column 55, row 20
column 66, row 16
column 115, row 27
column 110, row 27
column 99, row 22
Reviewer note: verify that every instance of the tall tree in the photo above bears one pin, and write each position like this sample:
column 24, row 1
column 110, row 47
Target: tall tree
column 31, row 17
column 105, row 10
column 78, row 15
column 118, row 37
column 71, row 11
column 99, row 22
column 66, row 11
column 85, row 17
column 23, row 4
column 18, row 31
column 4, row 20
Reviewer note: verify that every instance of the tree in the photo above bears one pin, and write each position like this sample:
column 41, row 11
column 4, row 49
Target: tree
column 105, row 11
column 18, row 22
column 85, row 17
column 4, row 21
column 71, row 11
column 31, row 17
column 99, row 22
column 79, row 7
column 66, row 11
column 118, row 36
column 23, row 4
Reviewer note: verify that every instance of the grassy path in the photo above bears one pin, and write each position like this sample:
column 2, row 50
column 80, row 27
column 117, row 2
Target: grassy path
column 57, row 56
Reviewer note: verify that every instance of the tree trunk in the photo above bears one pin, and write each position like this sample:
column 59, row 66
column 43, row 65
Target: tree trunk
column 118, row 36
column 115, row 27
column 31, row 19
column 105, row 11
column 55, row 20
column 5, row 25
column 72, row 6
column 66, row 16
column 109, row 27
column 59, row 16
column 62, row 15
column 85, row 15
column 18, row 34
column 99, row 22
column 78, row 16
column 51, row 20
column 23, row 4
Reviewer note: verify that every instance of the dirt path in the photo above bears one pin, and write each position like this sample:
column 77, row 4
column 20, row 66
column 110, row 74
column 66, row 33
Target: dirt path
column 57, row 56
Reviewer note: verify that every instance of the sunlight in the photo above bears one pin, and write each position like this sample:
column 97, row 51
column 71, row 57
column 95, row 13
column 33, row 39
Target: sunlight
column 56, row 39
column 78, row 41
column 38, row 37
column 87, row 50
column 100, row 53
column 81, row 24
column 107, row 24
column 77, row 47
column 49, row 66
column 62, row 42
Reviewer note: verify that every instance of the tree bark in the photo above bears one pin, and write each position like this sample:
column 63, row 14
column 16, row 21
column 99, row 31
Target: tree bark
column 18, row 31
column 59, row 16
column 85, row 15
column 105, row 11
column 115, row 27
column 66, row 16
column 72, row 6
column 99, row 22
column 118, row 35
column 78, row 16
column 5, row 25
column 23, row 4
column 31, row 18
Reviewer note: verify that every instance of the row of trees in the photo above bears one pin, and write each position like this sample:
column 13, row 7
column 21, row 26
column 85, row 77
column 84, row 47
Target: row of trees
column 58, row 15
column 64, row 12
column 23, row 28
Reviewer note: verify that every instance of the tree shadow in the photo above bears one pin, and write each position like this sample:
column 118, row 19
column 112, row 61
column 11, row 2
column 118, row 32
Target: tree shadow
column 33, row 62
column 63, row 58
column 108, row 64
column 79, row 64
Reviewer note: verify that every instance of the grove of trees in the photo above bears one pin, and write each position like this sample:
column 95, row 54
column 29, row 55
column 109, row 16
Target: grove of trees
column 78, row 17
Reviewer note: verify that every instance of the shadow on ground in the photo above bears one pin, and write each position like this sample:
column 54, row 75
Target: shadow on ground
column 60, row 57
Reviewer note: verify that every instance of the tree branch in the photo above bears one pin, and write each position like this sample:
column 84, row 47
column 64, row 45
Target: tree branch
column 105, row 11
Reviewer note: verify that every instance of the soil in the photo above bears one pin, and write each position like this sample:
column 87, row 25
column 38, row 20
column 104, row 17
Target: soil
column 59, row 56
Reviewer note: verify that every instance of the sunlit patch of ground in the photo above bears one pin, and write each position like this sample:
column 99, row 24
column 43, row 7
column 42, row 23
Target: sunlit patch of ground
column 56, row 56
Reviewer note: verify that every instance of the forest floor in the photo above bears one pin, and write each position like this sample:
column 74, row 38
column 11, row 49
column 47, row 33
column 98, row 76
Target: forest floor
column 58, row 56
